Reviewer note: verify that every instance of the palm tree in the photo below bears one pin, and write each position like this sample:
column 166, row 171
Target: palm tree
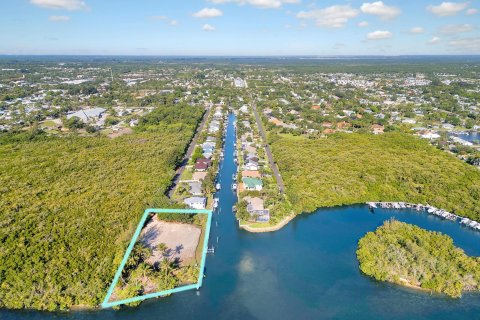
column 162, row 247
column 166, row 266
column 144, row 270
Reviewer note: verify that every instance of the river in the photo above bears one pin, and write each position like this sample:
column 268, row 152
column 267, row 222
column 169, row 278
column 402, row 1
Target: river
column 307, row 270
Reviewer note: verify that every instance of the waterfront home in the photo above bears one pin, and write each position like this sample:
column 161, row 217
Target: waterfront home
column 208, row 150
column 208, row 144
column 462, row 142
column 256, row 209
column 196, row 202
column 252, row 184
column 251, row 166
column 211, row 139
column 202, row 164
column 251, row 174
column 251, row 158
column 250, row 149
column 195, row 188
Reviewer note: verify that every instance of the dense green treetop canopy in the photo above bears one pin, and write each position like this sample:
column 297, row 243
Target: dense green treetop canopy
column 355, row 168
column 70, row 205
column 406, row 254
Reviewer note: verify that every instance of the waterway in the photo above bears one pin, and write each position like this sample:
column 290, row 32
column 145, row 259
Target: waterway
column 307, row 270
column 470, row 136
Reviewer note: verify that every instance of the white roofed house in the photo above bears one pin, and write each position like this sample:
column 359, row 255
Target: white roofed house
column 196, row 202
column 244, row 109
column 88, row 115
column 251, row 165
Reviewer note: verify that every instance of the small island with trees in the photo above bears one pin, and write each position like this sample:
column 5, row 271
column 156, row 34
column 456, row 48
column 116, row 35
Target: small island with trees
column 408, row 255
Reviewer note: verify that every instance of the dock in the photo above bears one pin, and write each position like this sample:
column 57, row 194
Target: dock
column 428, row 209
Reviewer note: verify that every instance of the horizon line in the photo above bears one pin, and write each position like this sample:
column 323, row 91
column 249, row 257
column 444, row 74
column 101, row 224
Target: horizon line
column 234, row 56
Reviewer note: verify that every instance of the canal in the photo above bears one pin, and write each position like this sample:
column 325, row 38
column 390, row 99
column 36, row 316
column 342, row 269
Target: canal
column 307, row 270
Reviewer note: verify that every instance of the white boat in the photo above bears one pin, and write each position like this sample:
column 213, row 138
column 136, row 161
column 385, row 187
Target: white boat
column 234, row 186
column 218, row 186
column 234, row 176
column 215, row 203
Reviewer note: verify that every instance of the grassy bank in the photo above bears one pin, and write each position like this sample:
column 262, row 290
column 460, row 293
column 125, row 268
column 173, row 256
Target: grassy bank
column 355, row 168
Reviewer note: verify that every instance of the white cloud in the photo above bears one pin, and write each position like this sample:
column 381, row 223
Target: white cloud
column 471, row 11
column 456, row 28
column 379, row 35
column 265, row 4
column 363, row 24
column 332, row 17
column 58, row 18
column 434, row 40
column 207, row 27
column 165, row 18
column 70, row 5
column 208, row 13
column 466, row 45
column 380, row 9
column 447, row 8
column 417, row 30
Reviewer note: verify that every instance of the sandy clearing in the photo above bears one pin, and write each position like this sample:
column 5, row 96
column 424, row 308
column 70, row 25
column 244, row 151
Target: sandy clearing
column 181, row 240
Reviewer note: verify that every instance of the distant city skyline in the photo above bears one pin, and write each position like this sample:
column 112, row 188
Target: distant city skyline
column 239, row 27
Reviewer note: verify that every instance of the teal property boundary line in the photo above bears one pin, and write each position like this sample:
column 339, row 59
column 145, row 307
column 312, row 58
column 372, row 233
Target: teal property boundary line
column 106, row 304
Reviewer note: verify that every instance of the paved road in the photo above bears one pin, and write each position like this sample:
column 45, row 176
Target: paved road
column 273, row 165
column 188, row 154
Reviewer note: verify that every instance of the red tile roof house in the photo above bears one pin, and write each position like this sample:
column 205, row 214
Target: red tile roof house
column 202, row 164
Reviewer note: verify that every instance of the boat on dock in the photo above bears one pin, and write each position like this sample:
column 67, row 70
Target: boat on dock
column 234, row 186
column 372, row 205
column 215, row 203
column 428, row 209
column 218, row 186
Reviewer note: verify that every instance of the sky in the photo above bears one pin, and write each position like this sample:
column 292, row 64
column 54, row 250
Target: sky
column 239, row 27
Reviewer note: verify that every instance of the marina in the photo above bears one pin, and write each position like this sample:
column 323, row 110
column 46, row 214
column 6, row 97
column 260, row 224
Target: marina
column 426, row 208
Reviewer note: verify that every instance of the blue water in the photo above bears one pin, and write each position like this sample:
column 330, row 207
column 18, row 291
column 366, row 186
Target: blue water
column 470, row 136
column 307, row 270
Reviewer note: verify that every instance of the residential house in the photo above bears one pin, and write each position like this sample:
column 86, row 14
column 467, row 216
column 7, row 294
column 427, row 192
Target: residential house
column 251, row 166
column 250, row 149
column 251, row 174
column 195, row 188
column 252, row 184
column 256, row 209
column 196, row 202
column 202, row 164
column 88, row 115
column 244, row 109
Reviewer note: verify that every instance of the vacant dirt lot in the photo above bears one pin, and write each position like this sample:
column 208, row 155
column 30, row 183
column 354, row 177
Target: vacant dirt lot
column 181, row 240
